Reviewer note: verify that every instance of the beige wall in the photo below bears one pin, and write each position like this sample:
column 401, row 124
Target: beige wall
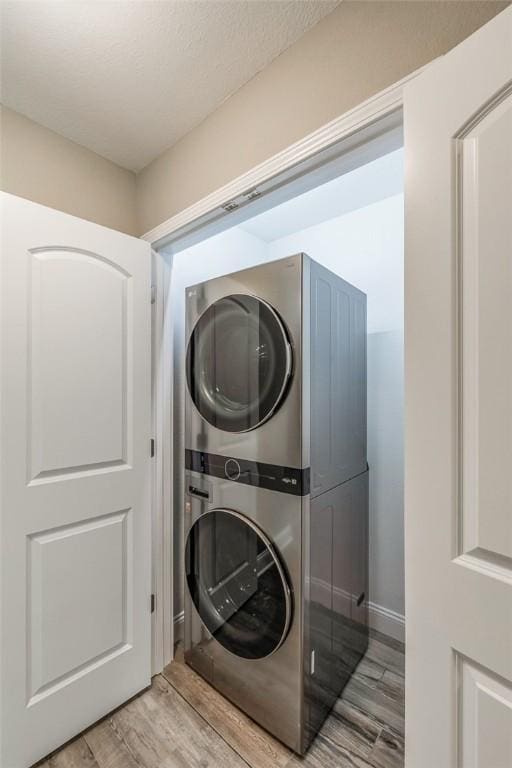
column 40, row 165
column 356, row 51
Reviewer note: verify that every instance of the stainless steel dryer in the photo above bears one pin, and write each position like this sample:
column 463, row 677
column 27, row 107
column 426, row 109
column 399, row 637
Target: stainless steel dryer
column 276, row 518
column 244, row 364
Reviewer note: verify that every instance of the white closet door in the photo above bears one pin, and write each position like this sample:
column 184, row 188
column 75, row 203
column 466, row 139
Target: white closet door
column 75, row 504
column 458, row 320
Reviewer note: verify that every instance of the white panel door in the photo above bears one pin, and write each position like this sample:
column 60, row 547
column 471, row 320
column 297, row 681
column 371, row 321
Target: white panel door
column 458, row 320
column 75, row 505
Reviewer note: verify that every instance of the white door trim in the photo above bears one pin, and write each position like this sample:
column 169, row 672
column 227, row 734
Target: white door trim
column 162, row 491
column 375, row 108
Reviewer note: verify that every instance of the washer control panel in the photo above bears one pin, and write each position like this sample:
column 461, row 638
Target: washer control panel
column 232, row 469
column 257, row 473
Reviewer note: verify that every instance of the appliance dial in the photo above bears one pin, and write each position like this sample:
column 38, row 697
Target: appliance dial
column 232, row 469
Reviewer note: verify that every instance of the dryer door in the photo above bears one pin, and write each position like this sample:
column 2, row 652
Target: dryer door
column 238, row 363
column 237, row 584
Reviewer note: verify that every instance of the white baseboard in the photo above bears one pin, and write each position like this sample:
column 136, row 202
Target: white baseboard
column 383, row 619
column 386, row 621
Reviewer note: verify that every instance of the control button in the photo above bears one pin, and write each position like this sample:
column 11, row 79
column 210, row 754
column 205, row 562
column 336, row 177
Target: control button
column 232, row 469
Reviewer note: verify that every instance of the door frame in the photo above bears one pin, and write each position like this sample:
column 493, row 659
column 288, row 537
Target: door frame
column 212, row 213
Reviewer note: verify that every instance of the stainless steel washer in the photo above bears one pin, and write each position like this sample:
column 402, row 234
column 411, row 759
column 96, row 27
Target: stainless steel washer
column 243, row 561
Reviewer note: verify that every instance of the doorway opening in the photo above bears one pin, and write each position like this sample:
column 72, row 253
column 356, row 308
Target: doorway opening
column 353, row 225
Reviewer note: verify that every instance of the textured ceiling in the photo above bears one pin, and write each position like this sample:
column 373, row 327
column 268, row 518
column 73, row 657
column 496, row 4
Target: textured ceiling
column 127, row 79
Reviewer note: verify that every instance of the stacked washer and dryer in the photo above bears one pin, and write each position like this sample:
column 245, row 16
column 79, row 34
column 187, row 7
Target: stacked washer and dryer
column 276, row 491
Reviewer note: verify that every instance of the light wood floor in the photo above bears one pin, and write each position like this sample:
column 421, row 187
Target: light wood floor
column 181, row 722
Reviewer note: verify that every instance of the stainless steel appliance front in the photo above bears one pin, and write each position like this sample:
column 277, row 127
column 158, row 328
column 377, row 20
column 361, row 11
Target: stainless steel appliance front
column 244, row 364
column 244, row 598
column 276, row 489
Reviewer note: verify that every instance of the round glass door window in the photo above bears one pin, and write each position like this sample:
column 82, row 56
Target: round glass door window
column 238, row 363
column 237, row 584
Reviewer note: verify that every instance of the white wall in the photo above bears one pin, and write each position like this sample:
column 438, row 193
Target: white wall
column 365, row 247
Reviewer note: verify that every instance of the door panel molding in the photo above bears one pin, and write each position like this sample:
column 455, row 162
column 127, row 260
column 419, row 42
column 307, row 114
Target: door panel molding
column 41, row 680
column 484, row 713
column 57, row 379
column 475, row 250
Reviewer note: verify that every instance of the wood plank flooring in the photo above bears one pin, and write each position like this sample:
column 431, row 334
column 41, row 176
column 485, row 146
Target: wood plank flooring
column 181, row 722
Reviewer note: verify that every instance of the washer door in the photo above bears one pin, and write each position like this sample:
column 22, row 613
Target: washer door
column 237, row 584
column 238, row 363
